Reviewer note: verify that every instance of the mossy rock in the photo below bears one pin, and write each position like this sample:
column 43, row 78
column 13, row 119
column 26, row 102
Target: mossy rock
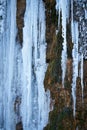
column 60, row 120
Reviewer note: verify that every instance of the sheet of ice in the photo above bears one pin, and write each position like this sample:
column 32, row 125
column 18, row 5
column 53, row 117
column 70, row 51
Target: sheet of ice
column 9, row 110
column 75, row 64
column 2, row 15
column 35, row 102
column 9, row 66
column 2, row 59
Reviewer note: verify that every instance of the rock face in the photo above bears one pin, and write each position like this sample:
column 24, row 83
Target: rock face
column 21, row 6
column 61, row 118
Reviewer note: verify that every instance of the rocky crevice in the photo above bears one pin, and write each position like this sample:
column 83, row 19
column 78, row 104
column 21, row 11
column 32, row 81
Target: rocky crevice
column 21, row 7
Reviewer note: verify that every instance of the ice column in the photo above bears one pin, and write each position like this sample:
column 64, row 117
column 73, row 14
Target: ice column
column 75, row 64
column 82, row 75
column 9, row 47
column 35, row 102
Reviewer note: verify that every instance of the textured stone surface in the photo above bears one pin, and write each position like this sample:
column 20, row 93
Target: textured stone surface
column 61, row 118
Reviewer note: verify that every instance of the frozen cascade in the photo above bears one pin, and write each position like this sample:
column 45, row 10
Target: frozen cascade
column 8, row 113
column 10, row 64
column 35, row 101
column 2, row 22
column 75, row 64
column 64, row 9
column 23, row 78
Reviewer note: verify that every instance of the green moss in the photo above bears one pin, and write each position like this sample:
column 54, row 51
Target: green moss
column 57, row 120
column 53, row 116
column 54, row 69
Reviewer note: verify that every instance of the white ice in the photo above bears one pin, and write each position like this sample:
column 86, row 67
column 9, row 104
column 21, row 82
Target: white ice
column 75, row 64
column 35, row 101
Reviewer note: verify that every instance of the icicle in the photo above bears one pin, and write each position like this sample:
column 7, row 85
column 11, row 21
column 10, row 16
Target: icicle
column 64, row 51
column 75, row 64
column 63, row 8
column 72, row 23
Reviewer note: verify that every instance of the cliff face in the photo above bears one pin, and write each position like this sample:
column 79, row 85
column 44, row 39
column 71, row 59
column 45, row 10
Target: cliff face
column 61, row 118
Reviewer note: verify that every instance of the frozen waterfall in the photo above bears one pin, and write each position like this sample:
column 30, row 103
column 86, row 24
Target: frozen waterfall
column 7, row 41
column 23, row 99
column 34, row 55
column 22, row 70
column 11, row 65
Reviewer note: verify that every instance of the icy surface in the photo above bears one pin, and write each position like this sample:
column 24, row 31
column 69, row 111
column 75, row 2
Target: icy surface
column 22, row 71
column 11, row 41
column 35, row 101
column 2, row 15
column 10, row 68
column 7, row 40
column 85, row 14
column 75, row 64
